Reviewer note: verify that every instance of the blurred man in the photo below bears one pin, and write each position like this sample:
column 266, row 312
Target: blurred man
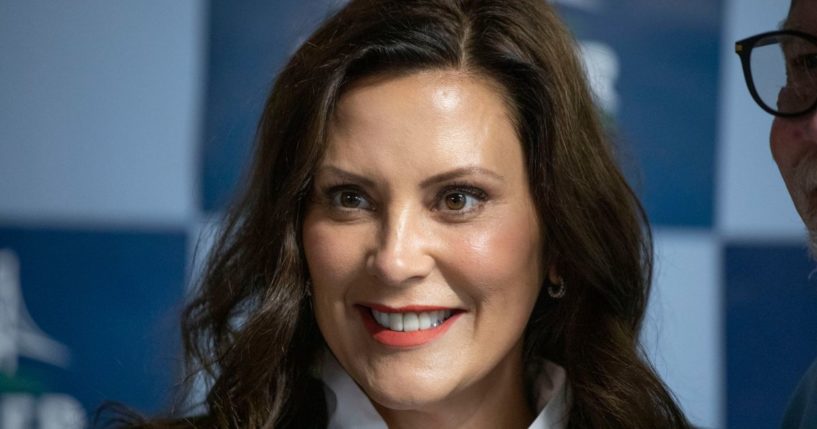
column 781, row 73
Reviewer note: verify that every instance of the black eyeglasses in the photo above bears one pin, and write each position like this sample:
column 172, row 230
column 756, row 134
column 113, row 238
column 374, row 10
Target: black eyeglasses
column 780, row 68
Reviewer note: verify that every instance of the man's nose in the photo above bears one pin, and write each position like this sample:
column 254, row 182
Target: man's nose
column 402, row 253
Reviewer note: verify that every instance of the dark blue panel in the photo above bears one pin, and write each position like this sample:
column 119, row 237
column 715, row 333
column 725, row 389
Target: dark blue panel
column 112, row 298
column 771, row 330
column 666, row 123
column 249, row 42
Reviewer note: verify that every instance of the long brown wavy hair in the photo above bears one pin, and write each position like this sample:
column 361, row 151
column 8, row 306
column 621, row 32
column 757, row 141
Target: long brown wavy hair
column 250, row 329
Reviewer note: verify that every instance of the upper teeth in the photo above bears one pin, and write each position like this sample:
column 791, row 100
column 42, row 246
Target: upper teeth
column 408, row 322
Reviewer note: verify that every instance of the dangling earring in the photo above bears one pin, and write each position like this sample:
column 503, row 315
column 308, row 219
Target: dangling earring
column 308, row 285
column 558, row 290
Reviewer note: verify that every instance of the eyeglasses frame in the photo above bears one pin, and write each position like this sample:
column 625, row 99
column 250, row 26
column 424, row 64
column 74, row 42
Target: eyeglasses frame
column 744, row 50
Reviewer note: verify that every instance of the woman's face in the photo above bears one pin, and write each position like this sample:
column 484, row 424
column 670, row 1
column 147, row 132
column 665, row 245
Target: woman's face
column 422, row 240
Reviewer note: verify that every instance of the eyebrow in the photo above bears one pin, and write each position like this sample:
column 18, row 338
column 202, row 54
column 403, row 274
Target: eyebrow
column 458, row 173
column 345, row 175
column 433, row 180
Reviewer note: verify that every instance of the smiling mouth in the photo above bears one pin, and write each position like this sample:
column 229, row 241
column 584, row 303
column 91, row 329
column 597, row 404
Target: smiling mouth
column 407, row 327
column 411, row 321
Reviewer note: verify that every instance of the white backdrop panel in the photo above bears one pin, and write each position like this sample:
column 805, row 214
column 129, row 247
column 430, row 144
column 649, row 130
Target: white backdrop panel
column 99, row 110
column 683, row 333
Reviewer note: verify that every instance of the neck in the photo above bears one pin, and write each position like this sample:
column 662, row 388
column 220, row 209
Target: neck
column 498, row 400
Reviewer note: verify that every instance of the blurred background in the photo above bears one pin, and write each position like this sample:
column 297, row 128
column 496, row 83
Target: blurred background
column 125, row 126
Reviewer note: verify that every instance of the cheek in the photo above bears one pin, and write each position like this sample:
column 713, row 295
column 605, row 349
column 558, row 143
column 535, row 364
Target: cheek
column 329, row 253
column 503, row 275
column 785, row 146
column 776, row 138
column 330, row 260
column 502, row 256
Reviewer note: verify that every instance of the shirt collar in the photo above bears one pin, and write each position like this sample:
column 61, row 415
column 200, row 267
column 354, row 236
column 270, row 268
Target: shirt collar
column 349, row 407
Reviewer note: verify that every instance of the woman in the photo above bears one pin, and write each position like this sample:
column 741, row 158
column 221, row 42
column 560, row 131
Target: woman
column 435, row 234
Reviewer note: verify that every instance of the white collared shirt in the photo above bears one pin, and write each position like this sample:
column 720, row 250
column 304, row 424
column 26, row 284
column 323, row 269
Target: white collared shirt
column 350, row 408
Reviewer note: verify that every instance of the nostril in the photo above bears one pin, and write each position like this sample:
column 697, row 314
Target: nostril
column 398, row 268
column 386, row 265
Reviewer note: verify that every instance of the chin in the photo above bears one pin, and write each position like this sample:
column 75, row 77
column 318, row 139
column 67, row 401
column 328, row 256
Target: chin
column 406, row 393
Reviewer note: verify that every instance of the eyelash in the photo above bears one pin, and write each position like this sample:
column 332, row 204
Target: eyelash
column 333, row 192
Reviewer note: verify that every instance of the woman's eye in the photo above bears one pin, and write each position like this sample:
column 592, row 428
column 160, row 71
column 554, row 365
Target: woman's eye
column 461, row 200
column 456, row 201
column 352, row 200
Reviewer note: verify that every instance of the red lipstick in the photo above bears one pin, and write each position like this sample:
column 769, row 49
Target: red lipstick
column 400, row 339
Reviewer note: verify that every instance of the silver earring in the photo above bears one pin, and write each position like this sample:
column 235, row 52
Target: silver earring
column 308, row 285
column 558, row 290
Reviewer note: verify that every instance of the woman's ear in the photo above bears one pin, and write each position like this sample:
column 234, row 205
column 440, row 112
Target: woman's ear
column 553, row 275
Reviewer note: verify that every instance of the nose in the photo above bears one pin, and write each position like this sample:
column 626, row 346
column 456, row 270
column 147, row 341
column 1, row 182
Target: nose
column 402, row 254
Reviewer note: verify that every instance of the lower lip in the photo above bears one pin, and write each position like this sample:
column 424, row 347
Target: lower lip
column 404, row 339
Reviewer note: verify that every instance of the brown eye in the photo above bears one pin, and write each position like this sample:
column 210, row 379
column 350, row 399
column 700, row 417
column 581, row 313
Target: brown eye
column 460, row 200
column 455, row 201
column 350, row 200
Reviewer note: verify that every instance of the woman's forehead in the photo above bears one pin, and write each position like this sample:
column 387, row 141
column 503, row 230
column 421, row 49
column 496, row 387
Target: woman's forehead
column 427, row 121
